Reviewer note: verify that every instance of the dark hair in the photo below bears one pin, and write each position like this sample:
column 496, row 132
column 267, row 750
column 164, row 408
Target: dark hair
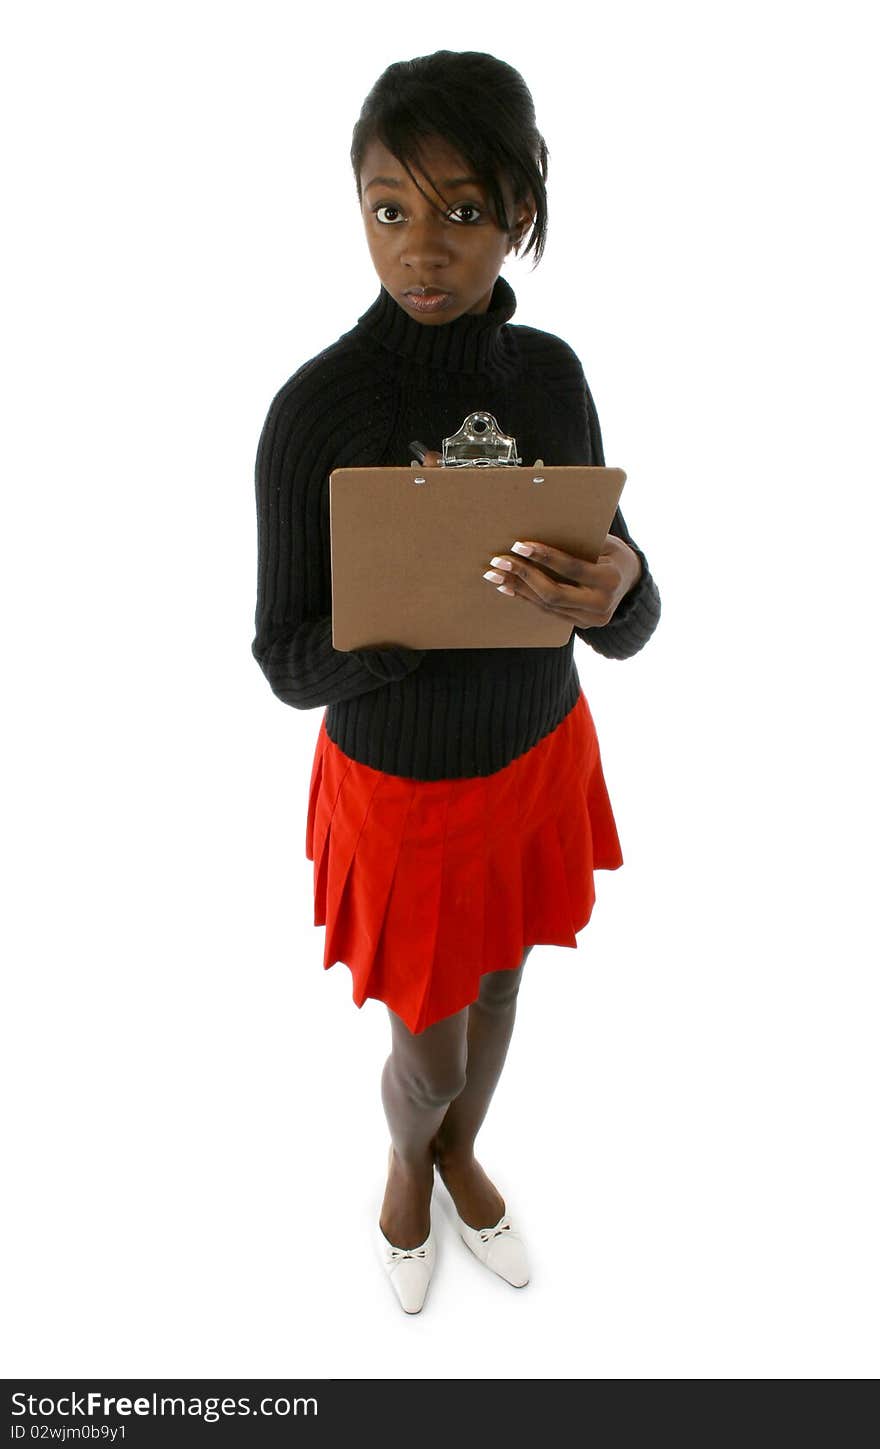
column 479, row 105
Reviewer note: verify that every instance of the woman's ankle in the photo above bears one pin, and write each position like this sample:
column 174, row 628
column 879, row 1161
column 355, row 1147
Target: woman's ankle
column 405, row 1216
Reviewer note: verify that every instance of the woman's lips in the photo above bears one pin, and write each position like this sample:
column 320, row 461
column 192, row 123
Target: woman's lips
column 427, row 301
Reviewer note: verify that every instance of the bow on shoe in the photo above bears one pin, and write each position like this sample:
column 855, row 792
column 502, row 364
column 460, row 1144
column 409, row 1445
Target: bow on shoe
column 407, row 1252
column 507, row 1258
column 487, row 1233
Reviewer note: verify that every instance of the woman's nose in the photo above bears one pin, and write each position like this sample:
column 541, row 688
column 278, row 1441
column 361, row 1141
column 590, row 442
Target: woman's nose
column 425, row 243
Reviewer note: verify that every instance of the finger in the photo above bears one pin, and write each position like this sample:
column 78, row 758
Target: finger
column 529, row 582
column 581, row 617
column 557, row 594
column 578, row 617
column 566, row 565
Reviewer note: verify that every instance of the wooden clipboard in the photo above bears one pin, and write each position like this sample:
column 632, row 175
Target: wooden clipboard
column 409, row 546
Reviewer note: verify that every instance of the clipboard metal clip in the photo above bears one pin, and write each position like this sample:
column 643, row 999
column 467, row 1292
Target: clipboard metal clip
column 479, row 443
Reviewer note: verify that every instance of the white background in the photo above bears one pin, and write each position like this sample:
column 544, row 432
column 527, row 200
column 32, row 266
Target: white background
column 686, row 1127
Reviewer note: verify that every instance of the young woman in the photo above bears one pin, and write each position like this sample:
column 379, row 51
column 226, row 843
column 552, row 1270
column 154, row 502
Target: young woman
column 457, row 807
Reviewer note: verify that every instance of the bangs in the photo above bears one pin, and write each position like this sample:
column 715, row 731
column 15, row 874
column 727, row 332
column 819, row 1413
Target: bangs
column 404, row 136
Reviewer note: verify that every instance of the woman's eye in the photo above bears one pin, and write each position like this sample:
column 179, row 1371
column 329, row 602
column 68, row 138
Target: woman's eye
column 467, row 206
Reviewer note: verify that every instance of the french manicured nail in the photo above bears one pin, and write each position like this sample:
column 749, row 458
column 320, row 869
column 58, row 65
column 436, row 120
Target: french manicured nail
column 523, row 548
column 502, row 563
column 495, row 577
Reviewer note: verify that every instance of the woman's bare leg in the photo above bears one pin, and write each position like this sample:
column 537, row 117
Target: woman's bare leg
column 490, row 1027
column 423, row 1074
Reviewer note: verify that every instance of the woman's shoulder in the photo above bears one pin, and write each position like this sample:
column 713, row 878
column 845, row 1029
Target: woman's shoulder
column 542, row 350
column 325, row 391
column 316, row 376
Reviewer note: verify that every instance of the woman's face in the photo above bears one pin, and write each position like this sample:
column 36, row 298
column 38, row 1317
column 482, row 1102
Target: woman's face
column 458, row 252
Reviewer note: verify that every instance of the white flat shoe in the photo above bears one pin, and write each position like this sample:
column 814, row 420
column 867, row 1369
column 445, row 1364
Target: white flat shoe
column 409, row 1269
column 500, row 1248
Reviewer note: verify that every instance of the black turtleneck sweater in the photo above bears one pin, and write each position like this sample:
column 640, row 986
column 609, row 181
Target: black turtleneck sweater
column 436, row 713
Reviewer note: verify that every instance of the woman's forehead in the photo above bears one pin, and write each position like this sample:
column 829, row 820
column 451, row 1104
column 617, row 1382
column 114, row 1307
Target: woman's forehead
column 436, row 153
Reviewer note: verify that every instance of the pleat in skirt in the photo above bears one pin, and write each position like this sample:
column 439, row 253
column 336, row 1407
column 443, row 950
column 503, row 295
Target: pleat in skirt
column 424, row 885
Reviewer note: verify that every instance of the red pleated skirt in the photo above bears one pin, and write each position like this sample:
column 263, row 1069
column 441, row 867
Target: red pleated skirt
column 424, row 885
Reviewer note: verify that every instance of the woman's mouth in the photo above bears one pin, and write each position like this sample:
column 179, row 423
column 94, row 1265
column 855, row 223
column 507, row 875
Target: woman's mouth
column 426, row 301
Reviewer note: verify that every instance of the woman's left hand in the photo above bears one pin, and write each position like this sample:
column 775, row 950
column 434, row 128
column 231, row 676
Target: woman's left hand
column 585, row 593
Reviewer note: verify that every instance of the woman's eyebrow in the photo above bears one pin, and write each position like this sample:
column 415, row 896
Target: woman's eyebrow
column 396, row 182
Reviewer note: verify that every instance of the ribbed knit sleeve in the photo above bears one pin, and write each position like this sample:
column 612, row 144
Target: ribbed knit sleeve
column 293, row 640
column 638, row 613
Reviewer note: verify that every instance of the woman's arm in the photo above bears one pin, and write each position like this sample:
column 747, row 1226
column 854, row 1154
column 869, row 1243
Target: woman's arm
column 293, row 640
column 638, row 613
column 636, row 616
column 615, row 590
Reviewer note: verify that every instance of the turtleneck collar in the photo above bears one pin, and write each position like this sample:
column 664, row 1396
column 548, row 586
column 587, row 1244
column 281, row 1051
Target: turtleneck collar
column 473, row 342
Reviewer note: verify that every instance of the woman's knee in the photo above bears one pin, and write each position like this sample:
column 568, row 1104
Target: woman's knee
column 432, row 1089
column 499, row 989
column 431, row 1066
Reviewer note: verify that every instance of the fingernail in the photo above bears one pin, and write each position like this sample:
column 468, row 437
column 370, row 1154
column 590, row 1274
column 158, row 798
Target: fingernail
column 495, row 577
column 524, row 548
column 503, row 563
